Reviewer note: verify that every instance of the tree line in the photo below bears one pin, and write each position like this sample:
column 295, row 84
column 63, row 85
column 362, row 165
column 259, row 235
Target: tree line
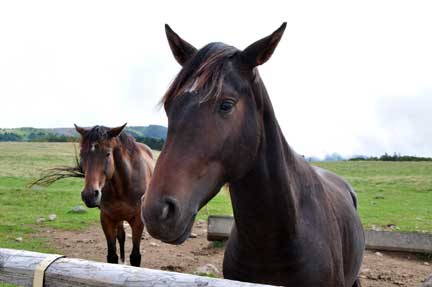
column 153, row 143
column 394, row 157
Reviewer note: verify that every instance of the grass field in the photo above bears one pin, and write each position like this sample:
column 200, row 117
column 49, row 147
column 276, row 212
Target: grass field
column 20, row 206
column 398, row 193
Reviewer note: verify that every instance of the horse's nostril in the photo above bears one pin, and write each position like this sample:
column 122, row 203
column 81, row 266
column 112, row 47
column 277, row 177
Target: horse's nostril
column 165, row 211
column 96, row 193
column 169, row 209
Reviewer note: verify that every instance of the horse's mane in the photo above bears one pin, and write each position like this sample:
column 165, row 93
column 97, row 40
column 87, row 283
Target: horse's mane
column 204, row 71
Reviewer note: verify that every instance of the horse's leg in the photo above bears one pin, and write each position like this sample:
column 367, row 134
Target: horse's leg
column 121, row 237
column 110, row 229
column 357, row 283
column 137, row 230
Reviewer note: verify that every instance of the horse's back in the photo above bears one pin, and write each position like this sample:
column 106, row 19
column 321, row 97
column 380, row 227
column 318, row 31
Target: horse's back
column 335, row 180
column 147, row 155
column 145, row 149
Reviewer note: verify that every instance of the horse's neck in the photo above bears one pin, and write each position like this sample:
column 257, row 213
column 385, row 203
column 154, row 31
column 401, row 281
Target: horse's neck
column 265, row 200
column 123, row 172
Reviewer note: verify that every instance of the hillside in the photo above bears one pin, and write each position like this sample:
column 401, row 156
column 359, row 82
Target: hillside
column 29, row 133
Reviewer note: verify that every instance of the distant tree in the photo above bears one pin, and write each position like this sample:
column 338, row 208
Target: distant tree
column 10, row 137
column 394, row 157
column 33, row 136
column 153, row 143
column 358, row 157
column 54, row 138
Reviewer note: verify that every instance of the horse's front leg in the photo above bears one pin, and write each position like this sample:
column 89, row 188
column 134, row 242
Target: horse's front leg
column 121, row 237
column 110, row 229
column 137, row 230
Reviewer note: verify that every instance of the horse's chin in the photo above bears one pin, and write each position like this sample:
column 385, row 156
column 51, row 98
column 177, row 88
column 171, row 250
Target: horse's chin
column 184, row 236
column 91, row 205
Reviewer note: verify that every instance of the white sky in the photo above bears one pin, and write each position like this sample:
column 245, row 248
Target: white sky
column 347, row 77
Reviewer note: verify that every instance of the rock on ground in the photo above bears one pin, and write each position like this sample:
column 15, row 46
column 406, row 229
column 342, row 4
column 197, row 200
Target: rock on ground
column 208, row 268
column 40, row 220
column 78, row 209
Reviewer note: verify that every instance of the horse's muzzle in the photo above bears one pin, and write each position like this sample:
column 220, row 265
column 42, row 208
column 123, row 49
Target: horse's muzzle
column 164, row 221
column 91, row 198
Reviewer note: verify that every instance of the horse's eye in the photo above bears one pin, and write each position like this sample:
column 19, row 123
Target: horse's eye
column 226, row 106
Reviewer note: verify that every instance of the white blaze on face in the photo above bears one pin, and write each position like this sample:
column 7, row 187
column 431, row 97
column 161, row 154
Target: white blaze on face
column 93, row 147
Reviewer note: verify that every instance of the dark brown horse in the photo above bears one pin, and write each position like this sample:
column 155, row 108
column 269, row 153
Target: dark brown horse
column 295, row 224
column 117, row 172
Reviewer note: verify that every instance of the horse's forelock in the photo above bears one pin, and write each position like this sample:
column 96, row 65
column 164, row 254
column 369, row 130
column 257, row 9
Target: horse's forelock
column 99, row 134
column 204, row 72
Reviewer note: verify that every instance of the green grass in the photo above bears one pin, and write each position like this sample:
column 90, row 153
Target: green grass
column 397, row 193
column 219, row 205
column 20, row 206
column 27, row 160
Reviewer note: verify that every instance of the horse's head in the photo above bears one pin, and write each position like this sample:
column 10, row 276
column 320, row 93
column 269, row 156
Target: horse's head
column 213, row 131
column 96, row 159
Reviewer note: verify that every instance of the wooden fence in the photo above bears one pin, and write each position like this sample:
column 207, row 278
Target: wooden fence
column 18, row 267
column 219, row 228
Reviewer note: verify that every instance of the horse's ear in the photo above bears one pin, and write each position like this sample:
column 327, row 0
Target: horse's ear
column 113, row 132
column 260, row 51
column 181, row 49
column 80, row 130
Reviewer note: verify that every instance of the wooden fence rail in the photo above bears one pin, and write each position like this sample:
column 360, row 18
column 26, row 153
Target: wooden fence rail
column 18, row 267
column 219, row 228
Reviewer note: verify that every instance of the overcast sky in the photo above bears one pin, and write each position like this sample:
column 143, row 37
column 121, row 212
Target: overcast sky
column 347, row 77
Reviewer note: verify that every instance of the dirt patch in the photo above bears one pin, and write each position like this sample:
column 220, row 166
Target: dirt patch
column 380, row 269
column 90, row 244
column 394, row 269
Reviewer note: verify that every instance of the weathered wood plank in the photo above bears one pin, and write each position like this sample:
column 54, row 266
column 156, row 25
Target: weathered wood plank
column 219, row 228
column 17, row 267
column 427, row 282
column 399, row 241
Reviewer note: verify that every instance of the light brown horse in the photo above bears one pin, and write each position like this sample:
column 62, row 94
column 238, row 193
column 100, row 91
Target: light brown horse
column 117, row 172
column 295, row 225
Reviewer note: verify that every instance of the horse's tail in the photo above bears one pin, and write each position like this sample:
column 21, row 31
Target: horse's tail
column 57, row 173
column 357, row 283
